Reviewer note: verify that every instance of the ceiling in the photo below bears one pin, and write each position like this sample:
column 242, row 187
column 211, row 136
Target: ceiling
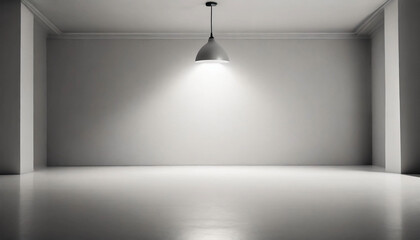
column 191, row 16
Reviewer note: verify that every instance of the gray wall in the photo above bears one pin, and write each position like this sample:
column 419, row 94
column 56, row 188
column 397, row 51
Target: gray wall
column 378, row 98
column 145, row 102
column 9, row 86
column 40, row 95
column 409, row 39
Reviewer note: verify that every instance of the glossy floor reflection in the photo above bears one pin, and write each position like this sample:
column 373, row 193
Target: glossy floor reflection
column 210, row 203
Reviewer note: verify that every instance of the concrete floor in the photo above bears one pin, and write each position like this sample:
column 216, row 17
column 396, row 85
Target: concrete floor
column 210, row 203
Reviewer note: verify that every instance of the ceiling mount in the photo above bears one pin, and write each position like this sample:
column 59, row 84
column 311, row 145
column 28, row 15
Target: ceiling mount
column 211, row 4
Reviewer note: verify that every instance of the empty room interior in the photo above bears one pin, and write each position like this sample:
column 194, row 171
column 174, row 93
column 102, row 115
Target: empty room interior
column 209, row 120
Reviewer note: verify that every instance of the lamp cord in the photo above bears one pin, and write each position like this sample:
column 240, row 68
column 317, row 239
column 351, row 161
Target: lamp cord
column 211, row 21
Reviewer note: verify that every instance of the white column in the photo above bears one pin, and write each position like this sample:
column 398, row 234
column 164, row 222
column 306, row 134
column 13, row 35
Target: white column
column 26, row 90
column 392, row 90
column 16, row 88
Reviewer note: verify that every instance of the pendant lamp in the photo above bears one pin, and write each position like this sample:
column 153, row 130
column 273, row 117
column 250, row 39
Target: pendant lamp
column 212, row 52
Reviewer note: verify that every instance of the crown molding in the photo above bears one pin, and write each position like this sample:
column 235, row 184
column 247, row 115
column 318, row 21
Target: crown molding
column 362, row 31
column 41, row 17
column 372, row 22
column 250, row 36
column 376, row 24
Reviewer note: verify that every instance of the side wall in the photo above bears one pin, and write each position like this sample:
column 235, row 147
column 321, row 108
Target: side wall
column 10, row 86
column 409, row 39
column 145, row 102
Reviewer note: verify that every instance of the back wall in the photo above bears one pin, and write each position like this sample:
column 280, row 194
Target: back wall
column 145, row 102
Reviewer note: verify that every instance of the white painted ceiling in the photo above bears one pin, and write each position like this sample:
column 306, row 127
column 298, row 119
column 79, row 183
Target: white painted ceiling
column 191, row 16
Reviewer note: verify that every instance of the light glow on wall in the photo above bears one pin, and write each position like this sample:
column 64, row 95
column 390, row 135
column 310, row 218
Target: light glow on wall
column 207, row 113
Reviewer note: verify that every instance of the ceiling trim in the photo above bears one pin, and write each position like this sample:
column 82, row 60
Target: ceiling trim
column 362, row 31
column 371, row 23
column 206, row 35
column 41, row 17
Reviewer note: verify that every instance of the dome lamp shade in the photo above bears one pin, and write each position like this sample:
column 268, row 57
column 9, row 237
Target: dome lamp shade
column 211, row 52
